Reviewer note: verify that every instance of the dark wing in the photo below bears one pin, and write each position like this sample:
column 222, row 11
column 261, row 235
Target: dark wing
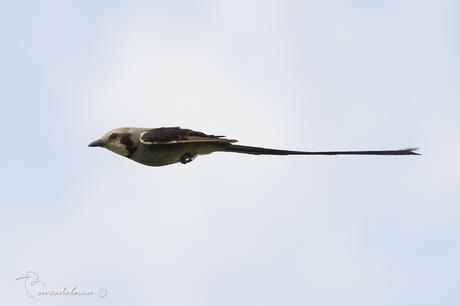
column 169, row 135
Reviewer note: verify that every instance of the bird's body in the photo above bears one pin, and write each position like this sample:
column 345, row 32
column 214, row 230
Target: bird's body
column 167, row 154
column 169, row 145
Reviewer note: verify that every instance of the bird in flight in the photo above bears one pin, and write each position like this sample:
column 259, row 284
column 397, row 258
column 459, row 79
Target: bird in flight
column 169, row 145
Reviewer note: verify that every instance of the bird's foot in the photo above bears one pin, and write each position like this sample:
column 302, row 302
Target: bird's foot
column 187, row 157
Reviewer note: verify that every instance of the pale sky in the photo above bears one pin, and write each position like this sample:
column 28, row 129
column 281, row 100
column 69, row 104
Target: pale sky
column 232, row 229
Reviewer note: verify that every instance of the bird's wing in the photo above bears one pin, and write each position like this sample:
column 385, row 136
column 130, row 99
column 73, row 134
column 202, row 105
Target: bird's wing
column 170, row 135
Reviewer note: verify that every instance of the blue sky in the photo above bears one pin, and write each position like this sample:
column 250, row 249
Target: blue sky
column 230, row 229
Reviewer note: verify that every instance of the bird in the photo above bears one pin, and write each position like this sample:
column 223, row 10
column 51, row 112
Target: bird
column 32, row 284
column 169, row 145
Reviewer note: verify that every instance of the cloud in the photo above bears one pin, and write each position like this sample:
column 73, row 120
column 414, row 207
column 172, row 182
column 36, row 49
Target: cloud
column 242, row 229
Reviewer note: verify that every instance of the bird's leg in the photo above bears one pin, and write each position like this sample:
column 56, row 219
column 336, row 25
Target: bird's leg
column 187, row 157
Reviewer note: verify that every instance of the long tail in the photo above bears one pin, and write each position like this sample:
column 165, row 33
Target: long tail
column 266, row 151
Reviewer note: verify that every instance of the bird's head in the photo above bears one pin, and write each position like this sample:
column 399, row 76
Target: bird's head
column 123, row 141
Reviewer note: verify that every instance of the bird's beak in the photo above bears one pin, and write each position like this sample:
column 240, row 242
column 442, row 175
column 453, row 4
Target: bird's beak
column 21, row 277
column 97, row 143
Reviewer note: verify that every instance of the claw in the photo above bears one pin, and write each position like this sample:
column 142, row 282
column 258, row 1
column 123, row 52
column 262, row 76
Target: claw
column 187, row 157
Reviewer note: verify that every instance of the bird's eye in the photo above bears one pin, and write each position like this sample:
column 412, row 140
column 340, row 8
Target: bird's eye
column 113, row 136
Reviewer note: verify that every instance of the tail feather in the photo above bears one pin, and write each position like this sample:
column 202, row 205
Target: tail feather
column 267, row 151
